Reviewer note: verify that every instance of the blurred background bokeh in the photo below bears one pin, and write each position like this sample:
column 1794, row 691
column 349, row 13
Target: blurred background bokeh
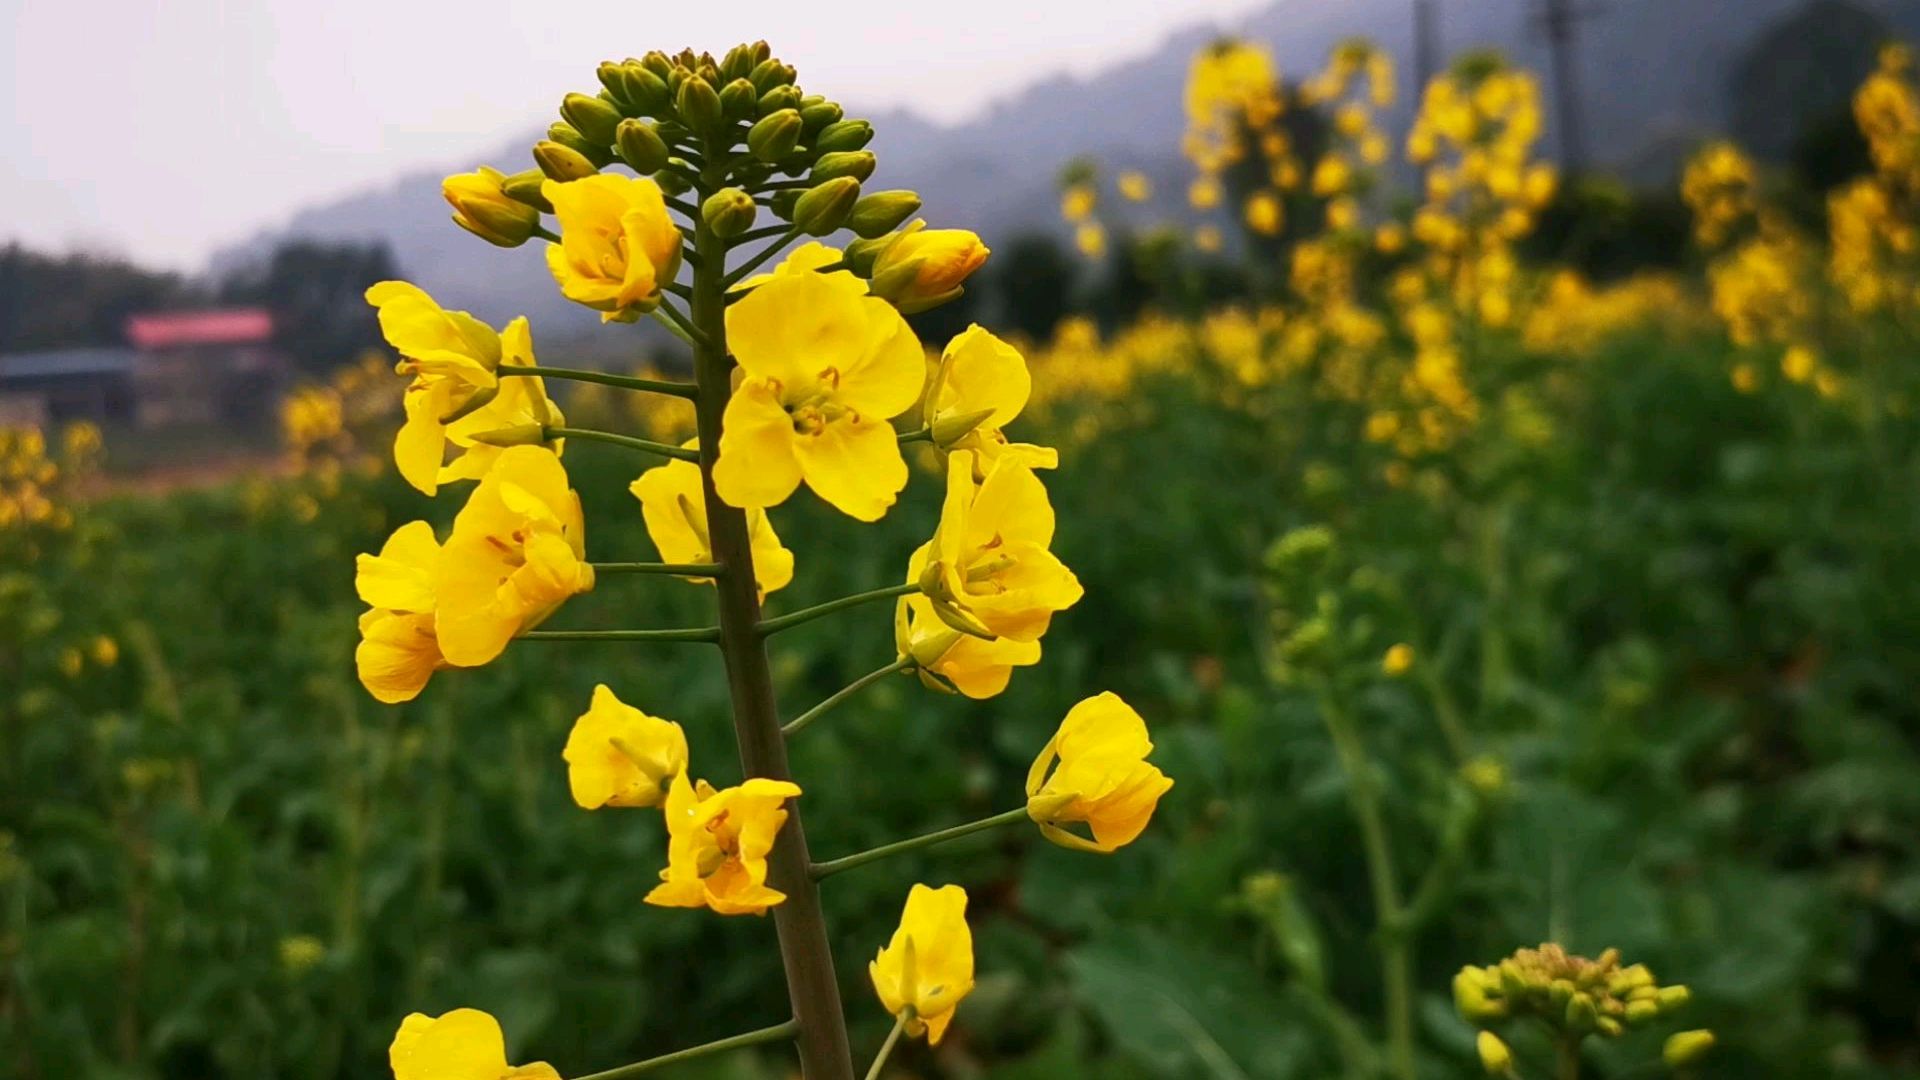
column 1529, row 384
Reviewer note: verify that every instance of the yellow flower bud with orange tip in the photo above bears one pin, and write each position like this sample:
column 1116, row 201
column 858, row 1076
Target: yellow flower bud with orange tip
column 927, row 967
column 517, row 552
column 398, row 649
column 947, row 660
column 923, row 268
column 483, row 208
column 824, row 368
column 465, row 1044
column 979, row 386
column 1095, row 770
column 717, row 845
column 617, row 246
column 988, row 571
column 617, row 755
column 1495, row 1057
column 673, row 503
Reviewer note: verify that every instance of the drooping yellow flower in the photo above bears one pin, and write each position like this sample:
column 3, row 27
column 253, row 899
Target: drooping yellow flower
column 675, row 508
column 452, row 357
column 617, row 245
column 465, row 1044
column 482, row 208
column 824, row 369
column 522, row 402
column 988, row 571
column 516, row 553
column 923, row 268
column 1103, row 777
column 398, row 649
column 979, row 387
column 946, row 659
column 617, row 755
column 928, row 966
column 718, row 843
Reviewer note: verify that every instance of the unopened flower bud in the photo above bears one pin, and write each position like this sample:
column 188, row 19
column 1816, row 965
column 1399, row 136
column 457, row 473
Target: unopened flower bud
column 482, row 207
column 737, row 63
column 739, row 100
column 860, row 255
column 879, row 213
column 1686, row 1048
column 657, row 62
column 780, row 97
column 698, row 104
column 1674, row 998
column 1609, row 1027
column 775, row 136
column 517, row 435
column 1495, row 1057
column 1582, row 1016
column 824, row 207
column 641, row 146
column 1475, row 998
column 728, row 212
column 843, row 135
column 784, row 203
column 858, row 164
column 1639, row 1012
column 769, row 74
column 818, row 116
column 561, row 163
column 593, row 118
column 636, row 90
column 479, row 399
column 950, row 429
column 524, row 187
column 924, row 268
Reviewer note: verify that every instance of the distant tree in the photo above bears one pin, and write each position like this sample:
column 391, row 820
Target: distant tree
column 55, row 301
column 1033, row 284
column 315, row 291
column 1800, row 73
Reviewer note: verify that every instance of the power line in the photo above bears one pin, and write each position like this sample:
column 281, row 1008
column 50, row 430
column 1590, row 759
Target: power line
column 1559, row 19
column 1426, row 42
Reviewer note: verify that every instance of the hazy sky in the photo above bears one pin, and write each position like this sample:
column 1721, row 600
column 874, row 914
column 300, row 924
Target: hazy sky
column 162, row 129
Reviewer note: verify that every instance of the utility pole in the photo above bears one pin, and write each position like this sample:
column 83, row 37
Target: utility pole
column 1558, row 19
column 1426, row 45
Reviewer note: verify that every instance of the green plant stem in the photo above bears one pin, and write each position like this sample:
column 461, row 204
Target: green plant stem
column 754, row 263
column 546, row 234
column 680, row 569
column 808, row 614
column 671, row 317
column 624, row 382
column 925, row 434
column 799, row 723
column 806, row 955
column 848, row 862
column 755, row 235
column 1567, row 1059
column 710, row 634
column 1396, row 951
column 886, row 1048
column 628, row 441
column 776, row 1033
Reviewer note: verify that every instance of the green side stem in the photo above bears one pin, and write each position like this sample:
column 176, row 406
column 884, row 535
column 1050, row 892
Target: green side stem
column 628, row 441
column 799, row 723
column 776, row 1033
column 704, row 570
column 886, row 1048
column 848, row 862
column 808, row 614
column 624, row 382
column 805, row 952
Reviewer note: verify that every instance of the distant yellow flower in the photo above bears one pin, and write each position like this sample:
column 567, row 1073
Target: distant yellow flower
column 673, row 502
column 1204, row 194
column 988, row 571
column 928, row 965
column 1398, row 660
column 1103, row 777
column 1390, row 238
column 619, row 756
column 946, row 659
column 71, row 662
column 1135, row 187
column 1745, row 378
column 1077, row 202
column 465, row 1044
column 617, row 245
column 1207, row 238
column 398, row 650
column 483, row 209
column 1091, row 239
column 1264, row 214
column 979, row 387
column 924, row 268
column 300, row 953
column 517, row 551
column 718, row 843
column 105, row 651
column 824, row 371
column 1799, row 363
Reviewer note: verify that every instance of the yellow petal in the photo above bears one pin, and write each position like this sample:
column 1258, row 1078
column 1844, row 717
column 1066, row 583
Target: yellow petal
column 757, row 466
column 855, row 465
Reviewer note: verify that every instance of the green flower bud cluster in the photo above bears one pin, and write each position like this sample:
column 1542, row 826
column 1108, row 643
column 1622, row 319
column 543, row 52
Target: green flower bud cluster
column 1573, row 995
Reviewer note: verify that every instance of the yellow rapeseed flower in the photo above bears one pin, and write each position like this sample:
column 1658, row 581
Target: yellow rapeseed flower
column 465, row 1044
column 928, row 965
column 1263, row 213
column 824, row 370
column 1135, row 187
column 979, row 387
column 1204, row 193
column 923, row 268
column 617, row 755
column 1091, row 239
column 988, row 571
column 946, row 659
column 674, row 505
column 398, row 650
column 517, row 551
column 1103, row 777
column 483, row 209
column 717, row 845
column 1398, row 660
column 617, row 245
column 1077, row 202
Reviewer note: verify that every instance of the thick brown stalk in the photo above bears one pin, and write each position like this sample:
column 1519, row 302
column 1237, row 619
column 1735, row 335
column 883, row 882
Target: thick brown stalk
column 804, row 948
